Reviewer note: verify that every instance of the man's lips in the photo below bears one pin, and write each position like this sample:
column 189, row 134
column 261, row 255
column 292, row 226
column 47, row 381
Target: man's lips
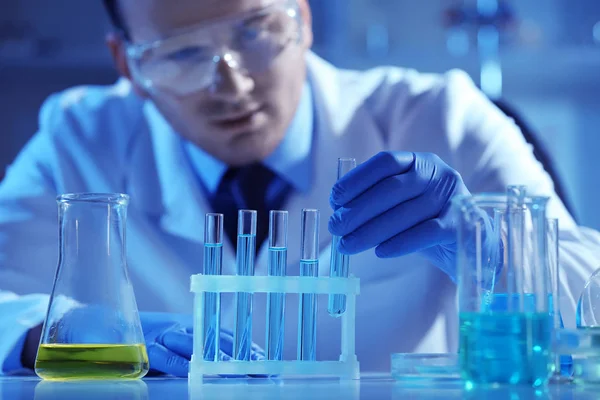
column 236, row 117
column 249, row 120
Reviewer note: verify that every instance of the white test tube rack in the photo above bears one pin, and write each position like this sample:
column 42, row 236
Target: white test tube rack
column 346, row 368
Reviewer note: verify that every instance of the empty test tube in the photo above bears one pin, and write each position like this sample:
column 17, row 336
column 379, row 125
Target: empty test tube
column 246, row 248
column 309, row 266
column 278, row 227
column 339, row 263
column 213, row 265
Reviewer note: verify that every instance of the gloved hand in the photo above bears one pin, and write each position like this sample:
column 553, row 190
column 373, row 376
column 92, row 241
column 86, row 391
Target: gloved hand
column 169, row 342
column 399, row 203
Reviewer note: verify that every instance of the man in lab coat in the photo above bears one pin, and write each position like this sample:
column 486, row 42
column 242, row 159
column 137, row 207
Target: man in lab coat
column 219, row 93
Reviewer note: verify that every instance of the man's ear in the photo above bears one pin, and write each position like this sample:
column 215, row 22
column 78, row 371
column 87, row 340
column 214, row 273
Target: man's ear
column 117, row 50
column 307, row 33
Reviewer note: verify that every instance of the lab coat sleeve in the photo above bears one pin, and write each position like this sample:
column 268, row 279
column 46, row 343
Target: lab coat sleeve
column 28, row 242
column 490, row 152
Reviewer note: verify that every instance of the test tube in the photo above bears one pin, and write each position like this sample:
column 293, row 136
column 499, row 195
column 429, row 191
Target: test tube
column 246, row 248
column 515, row 222
column 309, row 266
column 339, row 263
column 213, row 265
column 562, row 363
column 278, row 227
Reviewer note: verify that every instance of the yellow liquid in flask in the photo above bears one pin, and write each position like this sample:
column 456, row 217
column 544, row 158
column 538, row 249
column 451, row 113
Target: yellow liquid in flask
column 91, row 361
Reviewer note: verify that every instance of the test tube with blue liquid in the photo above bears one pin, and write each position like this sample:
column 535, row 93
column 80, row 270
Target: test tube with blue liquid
column 246, row 249
column 309, row 266
column 339, row 263
column 563, row 363
column 213, row 265
column 278, row 227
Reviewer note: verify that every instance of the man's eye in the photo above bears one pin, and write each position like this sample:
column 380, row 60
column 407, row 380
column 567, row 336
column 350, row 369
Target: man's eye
column 249, row 34
column 186, row 54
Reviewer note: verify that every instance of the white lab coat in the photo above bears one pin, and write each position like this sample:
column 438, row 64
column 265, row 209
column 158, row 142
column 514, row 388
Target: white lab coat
column 99, row 139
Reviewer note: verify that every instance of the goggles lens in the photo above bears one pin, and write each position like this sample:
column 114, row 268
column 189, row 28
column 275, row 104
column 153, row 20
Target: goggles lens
column 187, row 62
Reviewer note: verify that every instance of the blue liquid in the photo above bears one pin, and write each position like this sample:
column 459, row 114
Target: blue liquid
column 566, row 360
column 307, row 334
column 242, row 340
column 213, row 256
column 500, row 348
column 339, row 267
column 276, row 305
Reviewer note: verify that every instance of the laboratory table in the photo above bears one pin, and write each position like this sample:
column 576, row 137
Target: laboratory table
column 368, row 387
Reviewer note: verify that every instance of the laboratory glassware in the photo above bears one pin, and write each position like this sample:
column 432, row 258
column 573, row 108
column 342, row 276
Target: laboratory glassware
column 278, row 229
column 309, row 266
column 340, row 263
column 505, row 322
column 562, row 363
column 588, row 306
column 213, row 265
column 92, row 327
column 246, row 253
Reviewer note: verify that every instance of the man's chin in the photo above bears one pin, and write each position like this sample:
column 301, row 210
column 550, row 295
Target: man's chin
column 252, row 148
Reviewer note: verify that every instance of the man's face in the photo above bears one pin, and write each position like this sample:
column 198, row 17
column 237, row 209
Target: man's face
column 243, row 113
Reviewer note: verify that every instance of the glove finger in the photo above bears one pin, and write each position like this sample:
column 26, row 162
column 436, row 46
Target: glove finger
column 165, row 361
column 256, row 349
column 418, row 238
column 387, row 225
column 223, row 356
column 226, row 342
column 179, row 342
column 377, row 168
column 376, row 200
column 226, row 334
column 226, row 345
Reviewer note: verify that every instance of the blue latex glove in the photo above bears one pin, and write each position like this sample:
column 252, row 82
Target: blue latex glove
column 169, row 342
column 399, row 203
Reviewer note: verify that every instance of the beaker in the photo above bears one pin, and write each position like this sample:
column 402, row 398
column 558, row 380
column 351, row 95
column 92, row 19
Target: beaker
column 588, row 305
column 586, row 356
column 92, row 328
column 504, row 316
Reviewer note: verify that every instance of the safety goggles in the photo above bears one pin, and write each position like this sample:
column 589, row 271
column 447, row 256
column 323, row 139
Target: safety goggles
column 187, row 61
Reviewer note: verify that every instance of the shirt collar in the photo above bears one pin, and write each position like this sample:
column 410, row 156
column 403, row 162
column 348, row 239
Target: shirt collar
column 290, row 160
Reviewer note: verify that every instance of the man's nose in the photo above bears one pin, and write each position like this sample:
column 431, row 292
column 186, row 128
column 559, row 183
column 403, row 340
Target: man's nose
column 231, row 82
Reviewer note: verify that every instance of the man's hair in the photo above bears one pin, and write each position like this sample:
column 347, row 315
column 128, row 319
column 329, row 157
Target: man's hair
column 116, row 17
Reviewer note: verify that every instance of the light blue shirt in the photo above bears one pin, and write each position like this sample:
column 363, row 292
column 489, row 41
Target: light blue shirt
column 291, row 160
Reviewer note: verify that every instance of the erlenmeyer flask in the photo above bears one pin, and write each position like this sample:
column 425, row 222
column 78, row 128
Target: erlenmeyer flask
column 92, row 329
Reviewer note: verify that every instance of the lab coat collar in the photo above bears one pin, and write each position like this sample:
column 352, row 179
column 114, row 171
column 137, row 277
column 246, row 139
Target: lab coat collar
column 343, row 128
column 183, row 205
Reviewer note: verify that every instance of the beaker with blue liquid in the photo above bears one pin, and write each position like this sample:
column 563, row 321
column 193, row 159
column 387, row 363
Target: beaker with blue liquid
column 505, row 322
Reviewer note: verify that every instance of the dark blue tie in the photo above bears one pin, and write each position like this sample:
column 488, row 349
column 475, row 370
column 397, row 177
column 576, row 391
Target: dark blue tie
column 253, row 187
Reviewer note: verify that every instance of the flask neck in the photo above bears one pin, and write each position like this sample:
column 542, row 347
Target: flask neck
column 92, row 234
